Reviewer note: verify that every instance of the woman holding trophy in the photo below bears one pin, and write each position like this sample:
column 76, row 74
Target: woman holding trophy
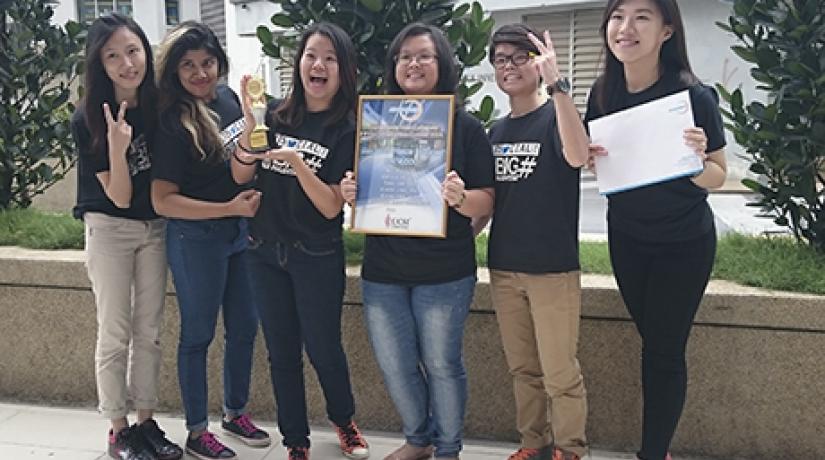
column 296, row 258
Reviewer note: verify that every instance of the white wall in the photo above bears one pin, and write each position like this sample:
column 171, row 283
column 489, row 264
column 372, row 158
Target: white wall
column 243, row 46
column 150, row 14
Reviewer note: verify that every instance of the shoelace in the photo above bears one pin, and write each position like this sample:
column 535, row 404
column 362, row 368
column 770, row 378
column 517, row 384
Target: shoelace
column 351, row 435
column 211, row 442
column 523, row 454
column 298, row 453
column 246, row 425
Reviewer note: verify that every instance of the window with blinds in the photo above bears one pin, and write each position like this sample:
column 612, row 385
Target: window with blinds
column 578, row 46
column 172, row 12
column 212, row 14
column 89, row 10
column 284, row 69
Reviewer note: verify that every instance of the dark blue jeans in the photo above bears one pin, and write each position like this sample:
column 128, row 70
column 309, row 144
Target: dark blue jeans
column 208, row 262
column 298, row 288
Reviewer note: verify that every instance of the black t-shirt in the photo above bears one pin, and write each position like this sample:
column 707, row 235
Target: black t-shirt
column 90, row 194
column 412, row 260
column 675, row 210
column 286, row 213
column 177, row 161
column 536, row 220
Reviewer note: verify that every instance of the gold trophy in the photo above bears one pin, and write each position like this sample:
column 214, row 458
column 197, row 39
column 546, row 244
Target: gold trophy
column 256, row 88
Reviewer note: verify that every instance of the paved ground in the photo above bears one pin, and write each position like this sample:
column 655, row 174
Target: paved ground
column 45, row 433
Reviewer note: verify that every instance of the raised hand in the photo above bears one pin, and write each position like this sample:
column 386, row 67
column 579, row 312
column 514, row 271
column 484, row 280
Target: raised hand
column 246, row 104
column 245, row 203
column 696, row 139
column 452, row 190
column 546, row 62
column 349, row 188
column 118, row 132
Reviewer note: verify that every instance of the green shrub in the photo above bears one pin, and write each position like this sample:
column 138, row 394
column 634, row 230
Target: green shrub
column 38, row 64
column 785, row 137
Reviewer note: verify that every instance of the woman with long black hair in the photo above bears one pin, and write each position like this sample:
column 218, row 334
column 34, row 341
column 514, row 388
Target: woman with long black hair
column 662, row 238
column 113, row 127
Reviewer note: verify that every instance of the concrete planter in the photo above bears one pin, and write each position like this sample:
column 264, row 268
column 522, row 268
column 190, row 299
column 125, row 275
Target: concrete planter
column 756, row 375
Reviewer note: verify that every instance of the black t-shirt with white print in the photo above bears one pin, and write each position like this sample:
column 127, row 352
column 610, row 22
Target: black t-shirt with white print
column 536, row 218
column 286, row 213
column 90, row 194
column 675, row 210
column 177, row 161
column 410, row 260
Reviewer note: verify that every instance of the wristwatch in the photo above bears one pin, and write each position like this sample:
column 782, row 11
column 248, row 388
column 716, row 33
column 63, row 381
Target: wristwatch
column 562, row 85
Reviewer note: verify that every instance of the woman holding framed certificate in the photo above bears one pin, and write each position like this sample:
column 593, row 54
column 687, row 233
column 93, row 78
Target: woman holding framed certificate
column 661, row 236
column 417, row 291
column 296, row 259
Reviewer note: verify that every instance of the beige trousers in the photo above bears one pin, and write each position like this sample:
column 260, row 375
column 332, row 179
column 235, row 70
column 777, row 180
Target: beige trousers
column 126, row 263
column 538, row 316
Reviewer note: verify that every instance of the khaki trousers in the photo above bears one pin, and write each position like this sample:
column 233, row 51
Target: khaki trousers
column 126, row 263
column 538, row 316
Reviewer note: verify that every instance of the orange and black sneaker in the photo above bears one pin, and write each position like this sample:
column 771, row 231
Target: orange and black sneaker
column 525, row 453
column 559, row 454
column 353, row 444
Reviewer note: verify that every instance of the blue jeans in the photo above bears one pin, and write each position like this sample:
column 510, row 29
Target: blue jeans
column 299, row 288
column 416, row 334
column 208, row 262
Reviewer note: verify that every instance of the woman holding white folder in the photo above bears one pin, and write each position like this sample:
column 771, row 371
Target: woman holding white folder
column 661, row 236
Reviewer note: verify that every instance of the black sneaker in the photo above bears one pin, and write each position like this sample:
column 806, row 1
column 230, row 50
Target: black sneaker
column 207, row 447
column 128, row 444
column 156, row 438
column 242, row 428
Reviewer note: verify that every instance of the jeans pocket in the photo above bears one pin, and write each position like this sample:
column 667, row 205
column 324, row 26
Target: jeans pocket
column 319, row 249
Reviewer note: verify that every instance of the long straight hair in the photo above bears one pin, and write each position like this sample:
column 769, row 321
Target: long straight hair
column 197, row 119
column 447, row 67
column 100, row 89
column 291, row 112
column 673, row 57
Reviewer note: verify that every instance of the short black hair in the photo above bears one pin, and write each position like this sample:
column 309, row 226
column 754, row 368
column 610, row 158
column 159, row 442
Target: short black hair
column 448, row 73
column 513, row 34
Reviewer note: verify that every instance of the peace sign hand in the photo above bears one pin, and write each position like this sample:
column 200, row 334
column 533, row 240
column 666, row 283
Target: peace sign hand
column 546, row 62
column 118, row 132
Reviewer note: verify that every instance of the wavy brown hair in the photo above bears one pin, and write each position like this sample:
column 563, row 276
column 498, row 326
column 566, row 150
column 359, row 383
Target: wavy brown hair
column 196, row 118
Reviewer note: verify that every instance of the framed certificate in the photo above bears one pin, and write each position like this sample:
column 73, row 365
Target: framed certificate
column 402, row 155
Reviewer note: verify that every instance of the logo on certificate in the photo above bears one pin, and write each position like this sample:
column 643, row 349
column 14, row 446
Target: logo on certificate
column 397, row 222
column 410, row 110
column 680, row 108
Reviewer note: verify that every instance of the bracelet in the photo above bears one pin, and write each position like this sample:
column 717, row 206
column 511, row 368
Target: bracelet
column 460, row 200
column 246, row 163
column 240, row 146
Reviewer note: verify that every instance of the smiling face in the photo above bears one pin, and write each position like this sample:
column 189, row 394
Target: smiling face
column 124, row 61
column 636, row 31
column 514, row 79
column 416, row 66
column 198, row 73
column 319, row 72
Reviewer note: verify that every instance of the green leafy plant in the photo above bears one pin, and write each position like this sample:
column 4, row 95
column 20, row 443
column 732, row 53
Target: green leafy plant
column 785, row 136
column 373, row 24
column 39, row 62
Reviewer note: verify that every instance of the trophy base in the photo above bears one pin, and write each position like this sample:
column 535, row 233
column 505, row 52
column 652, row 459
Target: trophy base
column 258, row 141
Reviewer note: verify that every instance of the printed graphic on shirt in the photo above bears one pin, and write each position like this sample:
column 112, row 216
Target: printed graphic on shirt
column 515, row 162
column 138, row 157
column 230, row 135
column 313, row 154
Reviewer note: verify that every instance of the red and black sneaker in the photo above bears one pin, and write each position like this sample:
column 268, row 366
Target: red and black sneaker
column 297, row 453
column 242, row 428
column 525, row 453
column 353, row 444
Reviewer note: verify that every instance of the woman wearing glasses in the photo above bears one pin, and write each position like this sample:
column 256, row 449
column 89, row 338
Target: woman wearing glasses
column 417, row 291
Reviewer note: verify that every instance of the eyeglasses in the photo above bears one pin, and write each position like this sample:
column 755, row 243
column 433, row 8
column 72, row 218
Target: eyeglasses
column 422, row 58
column 518, row 59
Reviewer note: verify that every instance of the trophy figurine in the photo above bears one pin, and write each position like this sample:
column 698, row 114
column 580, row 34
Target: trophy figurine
column 255, row 88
